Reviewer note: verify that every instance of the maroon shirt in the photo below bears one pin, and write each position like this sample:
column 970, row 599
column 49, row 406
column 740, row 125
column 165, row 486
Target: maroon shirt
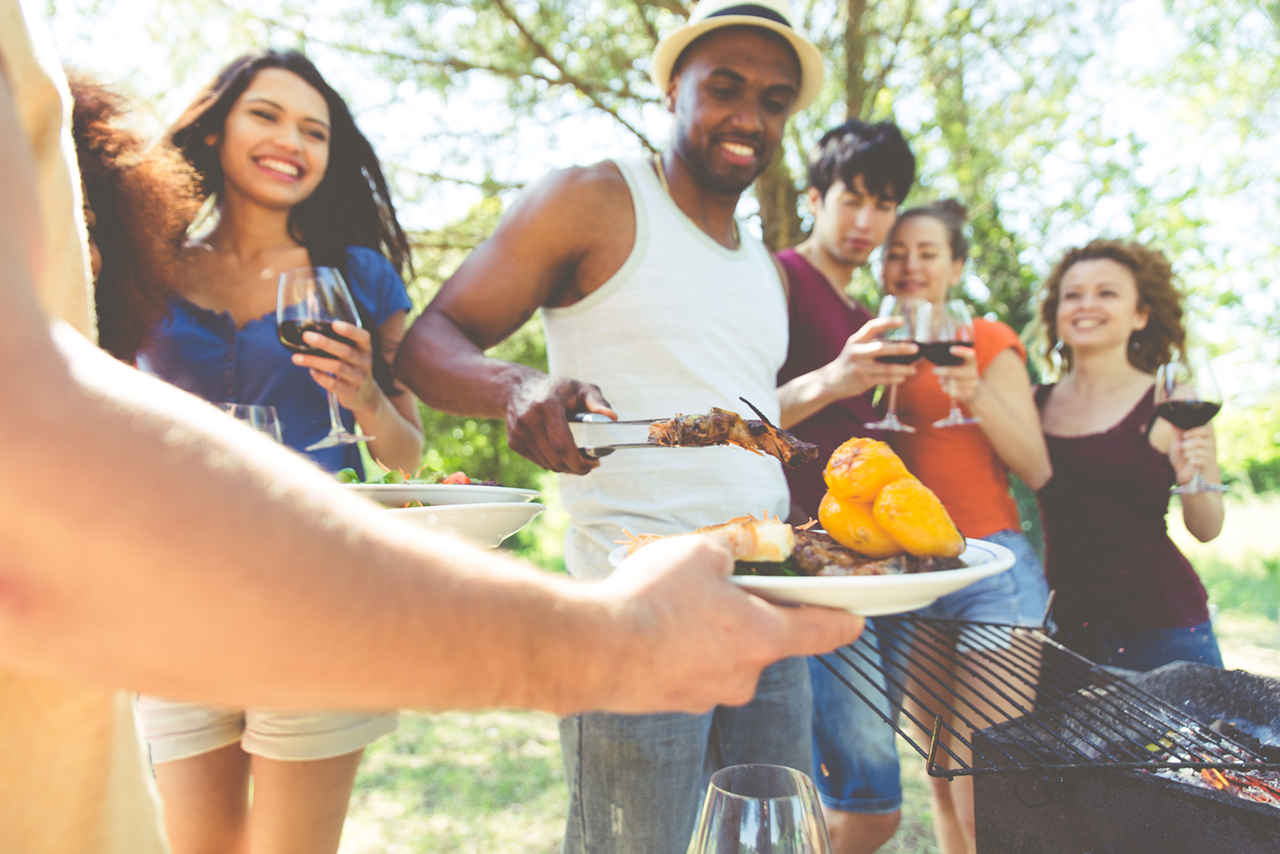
column 821, row 323
column 1107, row 551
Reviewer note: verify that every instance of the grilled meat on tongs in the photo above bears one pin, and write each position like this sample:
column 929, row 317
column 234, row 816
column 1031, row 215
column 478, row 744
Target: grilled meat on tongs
column 722, row 427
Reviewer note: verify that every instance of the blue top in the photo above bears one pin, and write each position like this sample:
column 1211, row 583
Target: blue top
column 202, row 352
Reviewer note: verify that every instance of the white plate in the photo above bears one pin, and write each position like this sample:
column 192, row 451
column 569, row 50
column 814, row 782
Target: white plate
column 874, row 595
column 399, row 494
column 486, row 525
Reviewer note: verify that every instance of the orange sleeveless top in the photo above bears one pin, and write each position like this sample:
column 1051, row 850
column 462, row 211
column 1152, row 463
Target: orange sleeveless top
column 958, row 463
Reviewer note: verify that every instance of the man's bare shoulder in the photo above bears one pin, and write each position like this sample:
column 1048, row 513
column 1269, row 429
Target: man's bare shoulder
column 582, row 192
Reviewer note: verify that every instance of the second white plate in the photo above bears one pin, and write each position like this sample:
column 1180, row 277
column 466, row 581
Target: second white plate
column 874, row 595
column 436, row 494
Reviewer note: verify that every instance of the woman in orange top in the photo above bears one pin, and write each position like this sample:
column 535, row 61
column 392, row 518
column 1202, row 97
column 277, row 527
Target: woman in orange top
column 968, row 466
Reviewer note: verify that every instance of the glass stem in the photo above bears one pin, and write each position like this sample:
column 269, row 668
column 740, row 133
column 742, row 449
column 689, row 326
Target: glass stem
column 335, row 418
column 892, row 413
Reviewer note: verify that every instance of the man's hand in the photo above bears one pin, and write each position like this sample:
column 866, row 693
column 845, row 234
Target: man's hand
column 689, row 640
column 538, row 422
column 855, row 370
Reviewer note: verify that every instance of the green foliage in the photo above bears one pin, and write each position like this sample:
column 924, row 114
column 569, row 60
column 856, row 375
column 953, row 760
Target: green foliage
column 1249, row 446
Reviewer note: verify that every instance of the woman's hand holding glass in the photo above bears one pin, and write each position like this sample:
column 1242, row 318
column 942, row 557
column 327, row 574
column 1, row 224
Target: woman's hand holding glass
column 349, row 373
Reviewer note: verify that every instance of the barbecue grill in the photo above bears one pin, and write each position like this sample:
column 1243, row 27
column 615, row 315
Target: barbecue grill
column 1067, row 756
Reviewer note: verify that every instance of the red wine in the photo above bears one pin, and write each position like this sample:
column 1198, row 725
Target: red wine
column 1186, row 414
column 939, row 352
column 901, row 360
column 290, row 332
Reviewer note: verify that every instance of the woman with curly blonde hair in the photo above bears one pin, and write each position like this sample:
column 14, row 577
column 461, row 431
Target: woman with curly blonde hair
column 1125, row 595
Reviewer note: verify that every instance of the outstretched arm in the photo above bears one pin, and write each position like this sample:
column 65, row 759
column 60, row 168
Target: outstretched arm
column 848, row 375
column 150, row 543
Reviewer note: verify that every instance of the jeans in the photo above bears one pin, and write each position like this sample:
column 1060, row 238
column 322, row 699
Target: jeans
column 1143, row 649
column 637, row 782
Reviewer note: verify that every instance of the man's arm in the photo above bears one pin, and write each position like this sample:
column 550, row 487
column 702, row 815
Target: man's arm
column 848, row 375
column 150, row 543
column 564, row 237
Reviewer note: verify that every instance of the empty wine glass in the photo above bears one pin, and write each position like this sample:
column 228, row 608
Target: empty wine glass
column 939, row 327
column 310, row 300
column 892, row 306
column 1187, row 396
column 260, row 418
column 760, row 809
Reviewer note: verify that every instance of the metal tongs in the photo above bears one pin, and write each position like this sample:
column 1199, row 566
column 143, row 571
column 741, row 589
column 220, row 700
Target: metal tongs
column 599, row 435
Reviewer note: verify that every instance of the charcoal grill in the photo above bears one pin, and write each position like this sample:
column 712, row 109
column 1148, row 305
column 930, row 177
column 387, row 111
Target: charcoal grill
column 1067, row 757
column 1065, row 712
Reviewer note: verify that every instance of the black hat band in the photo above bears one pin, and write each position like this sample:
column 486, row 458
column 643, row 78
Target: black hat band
column 753, row 11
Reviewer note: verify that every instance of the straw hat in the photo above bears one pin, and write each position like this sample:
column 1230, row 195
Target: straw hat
column 773, row 15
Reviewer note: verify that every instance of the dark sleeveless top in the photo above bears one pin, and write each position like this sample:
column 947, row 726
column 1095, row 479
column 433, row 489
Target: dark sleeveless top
column 821, row 323
column 1107, row 551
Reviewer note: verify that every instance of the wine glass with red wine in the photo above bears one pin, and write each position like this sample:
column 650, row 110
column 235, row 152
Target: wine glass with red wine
column 939, row 327
column 891, row 306
column 1187, row 397
column 310, row 300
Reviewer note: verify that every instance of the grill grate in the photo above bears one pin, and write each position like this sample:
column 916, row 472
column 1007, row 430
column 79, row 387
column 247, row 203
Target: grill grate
column 1040, row 705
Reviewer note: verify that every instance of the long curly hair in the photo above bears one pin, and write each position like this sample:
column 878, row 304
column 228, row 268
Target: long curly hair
column 1149, row 348
column 143, row 198
column 351, row 206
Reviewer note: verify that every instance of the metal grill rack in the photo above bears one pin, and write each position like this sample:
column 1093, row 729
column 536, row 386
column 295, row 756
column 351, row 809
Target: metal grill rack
column 1040, row 705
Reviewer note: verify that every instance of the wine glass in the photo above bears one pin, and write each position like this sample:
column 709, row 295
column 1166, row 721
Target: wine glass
column 310, row 300
column 260, row 418
column 939, row 327
column 891, row 306
column 760, row 809
column 1187, row 397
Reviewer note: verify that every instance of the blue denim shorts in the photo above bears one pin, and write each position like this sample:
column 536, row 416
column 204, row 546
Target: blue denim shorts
column 1144, row 649
column 855, row 756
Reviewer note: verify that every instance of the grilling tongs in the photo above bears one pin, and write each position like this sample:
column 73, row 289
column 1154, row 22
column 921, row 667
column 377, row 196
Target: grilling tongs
column 599, row 435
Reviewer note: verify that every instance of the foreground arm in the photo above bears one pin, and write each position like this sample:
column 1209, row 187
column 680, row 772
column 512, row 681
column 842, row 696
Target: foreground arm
column 850, row 374
column 151, row 544
column 564, row 236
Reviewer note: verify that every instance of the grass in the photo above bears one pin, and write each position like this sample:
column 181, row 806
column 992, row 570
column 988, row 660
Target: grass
column 492, row 782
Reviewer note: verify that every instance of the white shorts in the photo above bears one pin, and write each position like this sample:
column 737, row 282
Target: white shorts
column 177, row 730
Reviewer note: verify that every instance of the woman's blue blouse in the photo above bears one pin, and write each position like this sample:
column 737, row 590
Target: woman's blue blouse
column 202, row 352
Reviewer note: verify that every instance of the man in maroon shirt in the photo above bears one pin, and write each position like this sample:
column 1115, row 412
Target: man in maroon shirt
column 858, row 175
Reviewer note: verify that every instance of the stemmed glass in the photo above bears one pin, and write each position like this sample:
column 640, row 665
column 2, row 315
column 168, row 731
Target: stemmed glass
column 310, row 300
column 891, row 306
column 1187, row 396
column 260, row 418
column 939, row 327
column 760, row 809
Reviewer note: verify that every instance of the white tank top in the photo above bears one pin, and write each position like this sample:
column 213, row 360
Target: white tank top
column 683, row 326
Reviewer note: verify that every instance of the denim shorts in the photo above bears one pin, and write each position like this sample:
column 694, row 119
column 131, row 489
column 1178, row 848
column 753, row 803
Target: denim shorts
column 855, row 760
column 1143, row 649
column 855, row 756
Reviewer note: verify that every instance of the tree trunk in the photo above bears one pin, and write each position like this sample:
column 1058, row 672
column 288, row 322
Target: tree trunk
column 855, row 59
column 779, row 218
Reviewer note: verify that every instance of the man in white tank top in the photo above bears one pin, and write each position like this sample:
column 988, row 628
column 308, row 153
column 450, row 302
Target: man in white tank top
column 655, row 302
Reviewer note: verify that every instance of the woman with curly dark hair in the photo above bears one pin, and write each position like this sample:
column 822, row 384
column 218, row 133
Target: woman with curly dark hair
column 1125, row 595
column 139, row 201
column 292, row 183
